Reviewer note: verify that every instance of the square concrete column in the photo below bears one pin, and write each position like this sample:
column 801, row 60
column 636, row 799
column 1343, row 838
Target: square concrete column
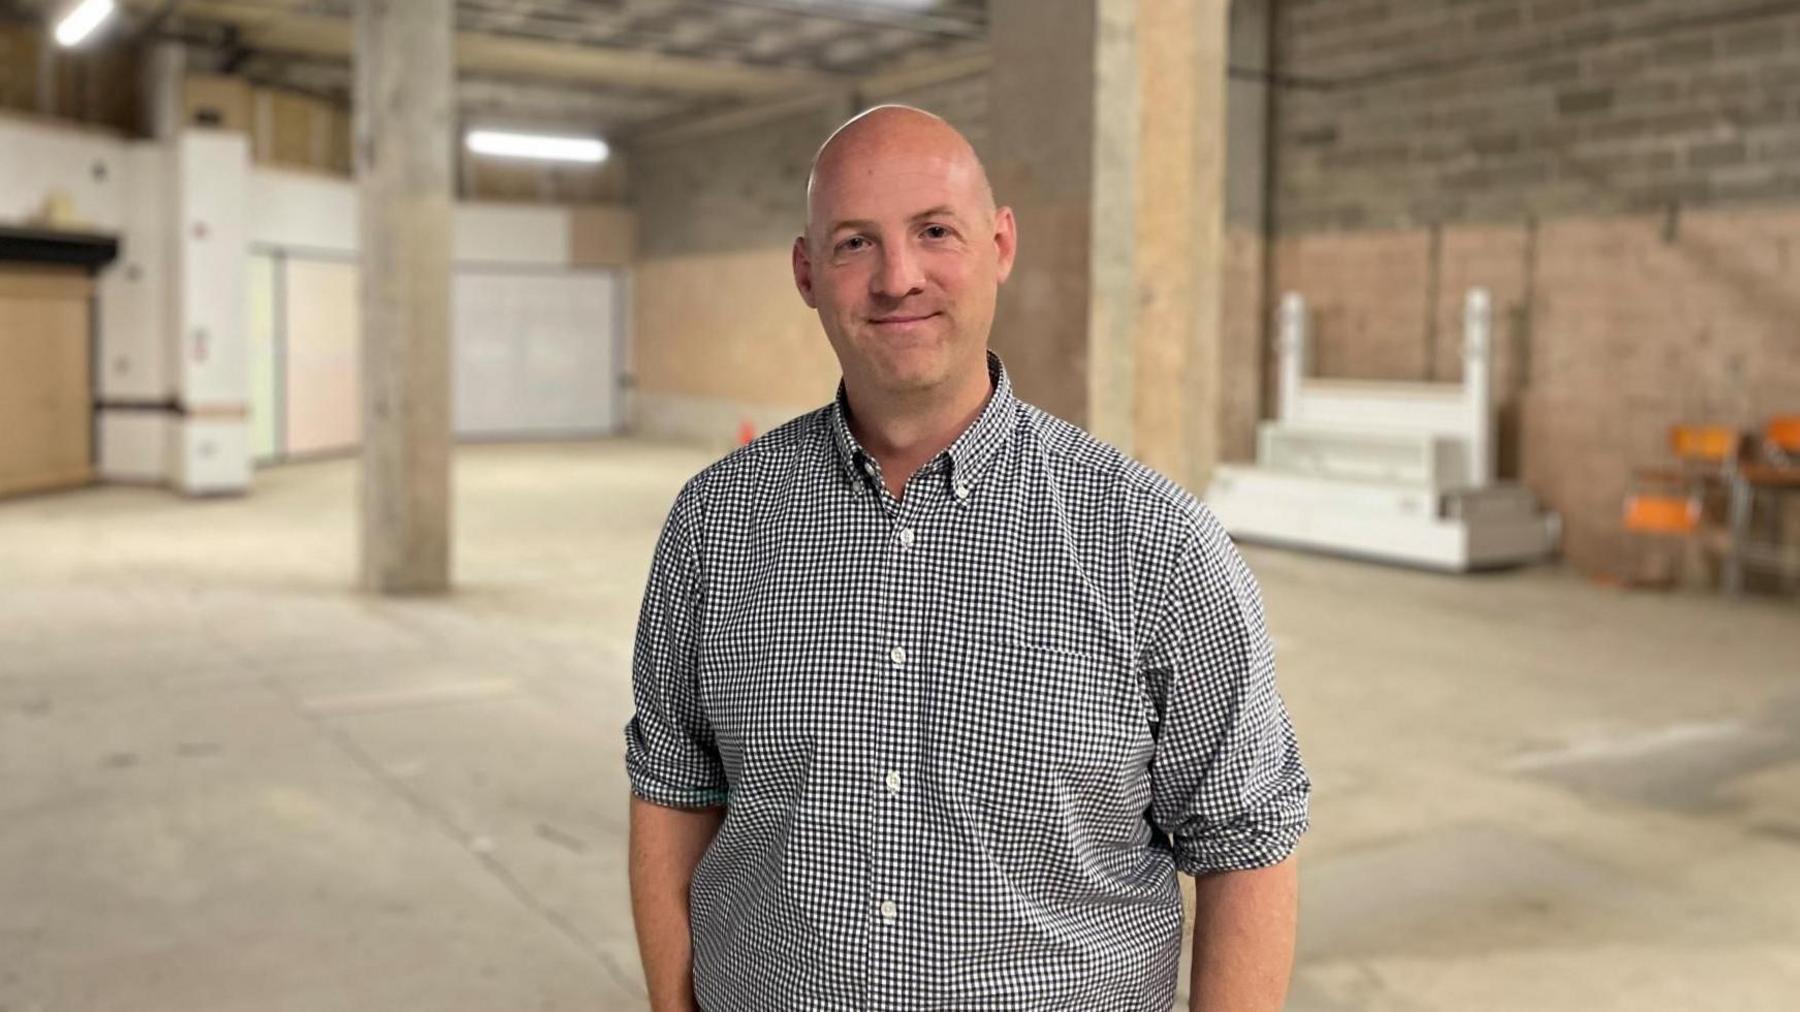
column 404, row 92
column 1107, row 132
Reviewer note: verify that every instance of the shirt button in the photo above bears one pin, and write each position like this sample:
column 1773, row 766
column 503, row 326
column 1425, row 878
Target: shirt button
column 962, row 492
column 908, row 536
column 889, row 912
column 897, row 655
column 893, row 782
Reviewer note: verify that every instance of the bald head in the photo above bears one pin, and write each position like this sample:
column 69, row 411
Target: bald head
column 903, row 257
column 888, row 133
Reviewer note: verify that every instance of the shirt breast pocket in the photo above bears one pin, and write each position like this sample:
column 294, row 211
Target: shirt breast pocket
column 1018, row 718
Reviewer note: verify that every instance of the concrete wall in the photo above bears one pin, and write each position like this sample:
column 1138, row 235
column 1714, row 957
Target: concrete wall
column 1448, row 110
column 1622, row 175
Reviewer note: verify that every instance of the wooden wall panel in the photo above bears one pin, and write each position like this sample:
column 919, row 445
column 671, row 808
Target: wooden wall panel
column 46, row 403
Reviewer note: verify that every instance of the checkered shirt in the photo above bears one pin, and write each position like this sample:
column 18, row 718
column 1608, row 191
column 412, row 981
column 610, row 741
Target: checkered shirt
column 964, row 739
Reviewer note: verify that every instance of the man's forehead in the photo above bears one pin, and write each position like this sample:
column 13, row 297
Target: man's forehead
column 897, row 187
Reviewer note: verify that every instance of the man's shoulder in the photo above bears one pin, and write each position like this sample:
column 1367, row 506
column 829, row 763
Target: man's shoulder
column 1083, row 462
column 775, row 451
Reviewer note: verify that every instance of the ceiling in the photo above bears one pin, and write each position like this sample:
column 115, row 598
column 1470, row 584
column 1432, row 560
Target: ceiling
column 617, row 66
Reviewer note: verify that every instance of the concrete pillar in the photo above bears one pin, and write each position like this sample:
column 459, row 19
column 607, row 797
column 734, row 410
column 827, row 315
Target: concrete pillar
column 1107, row 126
column 164, row 71
column 404, row 98
column 1062, row 126
column 1250, row 300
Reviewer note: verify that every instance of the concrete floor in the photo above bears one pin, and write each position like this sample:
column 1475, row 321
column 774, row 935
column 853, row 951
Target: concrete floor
column 229, row 782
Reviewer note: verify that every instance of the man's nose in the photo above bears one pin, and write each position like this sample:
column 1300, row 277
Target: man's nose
column 899, row 275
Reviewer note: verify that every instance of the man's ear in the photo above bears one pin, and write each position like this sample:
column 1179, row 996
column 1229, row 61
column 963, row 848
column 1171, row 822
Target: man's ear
column 803, row 278
column 1006, row 241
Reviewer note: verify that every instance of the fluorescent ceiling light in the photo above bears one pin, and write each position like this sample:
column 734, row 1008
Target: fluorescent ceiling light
column 79, row 23
column 544, row 146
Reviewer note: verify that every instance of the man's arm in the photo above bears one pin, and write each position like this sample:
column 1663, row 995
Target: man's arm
column 1244, row 939
column 666, row 846
column 678, row 784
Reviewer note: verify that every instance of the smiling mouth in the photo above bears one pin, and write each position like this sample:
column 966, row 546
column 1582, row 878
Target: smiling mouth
column 898, row 321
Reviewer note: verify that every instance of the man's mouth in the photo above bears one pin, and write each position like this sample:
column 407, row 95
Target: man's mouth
column 900, row 320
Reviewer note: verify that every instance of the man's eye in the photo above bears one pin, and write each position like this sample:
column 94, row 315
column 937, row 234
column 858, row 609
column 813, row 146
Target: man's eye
column 852, row 244
column 937, row 232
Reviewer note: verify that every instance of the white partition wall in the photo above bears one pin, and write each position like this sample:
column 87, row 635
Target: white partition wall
column 536, row 352
column 227, row 328
column 538, row 345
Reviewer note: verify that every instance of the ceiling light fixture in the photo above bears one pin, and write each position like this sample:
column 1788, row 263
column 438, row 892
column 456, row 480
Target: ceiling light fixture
column 79, row 23
column 541, row 146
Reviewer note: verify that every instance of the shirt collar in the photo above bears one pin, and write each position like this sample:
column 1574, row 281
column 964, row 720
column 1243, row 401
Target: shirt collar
column 968, row 455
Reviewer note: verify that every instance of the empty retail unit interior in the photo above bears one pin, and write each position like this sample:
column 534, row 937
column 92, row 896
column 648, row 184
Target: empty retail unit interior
column 353, row 354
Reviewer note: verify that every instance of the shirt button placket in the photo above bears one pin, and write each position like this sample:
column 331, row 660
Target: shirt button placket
column 898, row 732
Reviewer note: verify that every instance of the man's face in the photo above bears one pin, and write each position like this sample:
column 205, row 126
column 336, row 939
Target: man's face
column 903, row 261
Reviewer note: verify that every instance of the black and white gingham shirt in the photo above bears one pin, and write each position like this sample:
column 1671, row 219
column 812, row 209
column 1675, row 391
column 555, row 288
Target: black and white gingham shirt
column 964, row 739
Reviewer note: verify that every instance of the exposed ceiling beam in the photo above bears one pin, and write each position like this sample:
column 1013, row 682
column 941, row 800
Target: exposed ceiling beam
column 737, row 118
column 882, row 86
column 263, row 27
column 871, row 14
column 860, row 92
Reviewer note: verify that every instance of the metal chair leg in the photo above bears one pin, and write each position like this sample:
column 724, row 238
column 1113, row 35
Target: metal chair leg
column 1740, row 522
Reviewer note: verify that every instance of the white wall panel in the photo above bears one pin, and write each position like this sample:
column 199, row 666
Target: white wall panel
column 134, row 295
column 89, row 166
column 536, row 352
column 302, row 210
column 309, row 212
column 134, row 445
column 511, row 233
column 209, row 456
column 211, row 177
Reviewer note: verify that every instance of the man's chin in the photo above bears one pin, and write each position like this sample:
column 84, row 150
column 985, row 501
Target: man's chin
column 911, row 381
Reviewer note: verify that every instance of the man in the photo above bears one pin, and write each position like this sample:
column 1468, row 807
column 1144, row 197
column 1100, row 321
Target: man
column 935, row 692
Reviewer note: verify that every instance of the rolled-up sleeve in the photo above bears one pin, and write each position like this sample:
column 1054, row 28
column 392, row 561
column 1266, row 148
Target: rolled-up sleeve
column 1227, row 783
column 670, row 755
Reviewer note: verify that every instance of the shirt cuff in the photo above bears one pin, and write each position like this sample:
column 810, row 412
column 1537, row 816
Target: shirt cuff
column 661, row 792
column 1238, row 848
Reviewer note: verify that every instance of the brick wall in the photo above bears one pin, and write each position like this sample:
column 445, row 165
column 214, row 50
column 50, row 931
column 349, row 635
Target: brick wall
column 1623, row 174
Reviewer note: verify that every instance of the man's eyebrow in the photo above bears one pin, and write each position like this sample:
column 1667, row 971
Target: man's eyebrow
column 864, row 225
column 940, row 211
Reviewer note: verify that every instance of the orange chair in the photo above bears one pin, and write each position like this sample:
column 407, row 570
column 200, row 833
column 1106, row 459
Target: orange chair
column 1781, row 439
column 1667, row 509
column 1772, row 475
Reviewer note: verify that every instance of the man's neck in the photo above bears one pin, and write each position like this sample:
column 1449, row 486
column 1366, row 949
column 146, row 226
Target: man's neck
column 903, row 435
